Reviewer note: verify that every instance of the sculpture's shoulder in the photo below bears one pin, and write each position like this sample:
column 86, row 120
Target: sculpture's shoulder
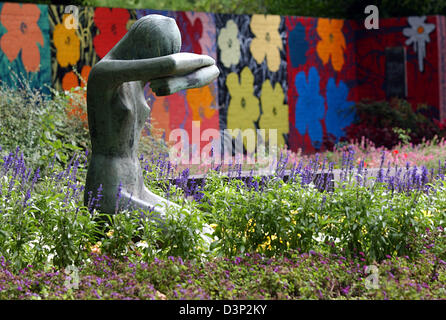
column 98, row 72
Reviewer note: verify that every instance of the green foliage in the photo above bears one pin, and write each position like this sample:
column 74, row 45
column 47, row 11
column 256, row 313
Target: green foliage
column 298, row 276
column 287, row 216
column 39, row 125
column 387, row 123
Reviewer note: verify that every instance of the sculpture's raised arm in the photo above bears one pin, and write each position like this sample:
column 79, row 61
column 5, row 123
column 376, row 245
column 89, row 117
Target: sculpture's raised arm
column 196, row 68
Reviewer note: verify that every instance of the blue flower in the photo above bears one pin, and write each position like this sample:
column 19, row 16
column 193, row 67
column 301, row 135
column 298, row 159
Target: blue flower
column 339, row 114
column 298, row 45
column 310, row 106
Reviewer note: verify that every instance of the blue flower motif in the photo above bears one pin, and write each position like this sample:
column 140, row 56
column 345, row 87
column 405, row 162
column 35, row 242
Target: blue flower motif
column 339, row 114
column 298, row 45
column 310, row 106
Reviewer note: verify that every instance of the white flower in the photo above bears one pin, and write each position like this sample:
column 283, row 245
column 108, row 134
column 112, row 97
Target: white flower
column 418, row 35
column 229, row 44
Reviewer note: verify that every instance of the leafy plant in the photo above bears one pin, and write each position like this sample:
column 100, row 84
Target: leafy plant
column 377, row 121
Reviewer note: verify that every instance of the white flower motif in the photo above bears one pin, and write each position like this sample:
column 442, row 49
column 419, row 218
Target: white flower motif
column 418, row 35
column 229, row 44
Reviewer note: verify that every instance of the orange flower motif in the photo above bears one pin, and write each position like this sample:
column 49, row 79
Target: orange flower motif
column 70, row 80
column 67, row 44
column 332, row 43
column 200, row 100
column 159, row 116
column 23, row 34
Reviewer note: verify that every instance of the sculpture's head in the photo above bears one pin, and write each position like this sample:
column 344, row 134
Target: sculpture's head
column 153, row 36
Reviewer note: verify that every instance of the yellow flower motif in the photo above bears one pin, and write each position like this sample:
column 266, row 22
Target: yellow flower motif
column 267, row 42
column 229, row 44
column 274, row 111
column 67, row 44
column 243, row 109
column 110, row 233
column 332, row 43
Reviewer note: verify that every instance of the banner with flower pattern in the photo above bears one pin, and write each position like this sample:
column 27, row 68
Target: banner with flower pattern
column 193, row 109
column 25, row 45
column 321, row 78
column 420, row 37
column 297, row 75
column 76, row 50
column 253, row 83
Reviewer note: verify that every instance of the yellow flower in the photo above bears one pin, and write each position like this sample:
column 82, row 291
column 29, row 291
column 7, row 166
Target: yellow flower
column 229, row 44
column 243, row 109
column 213, row 226
column 267, row 42
column 364, row 230
column 110, row 233
column 332, row 43
column 67, row 44
column 427, row 213
column 274, row 111
column 96, row 248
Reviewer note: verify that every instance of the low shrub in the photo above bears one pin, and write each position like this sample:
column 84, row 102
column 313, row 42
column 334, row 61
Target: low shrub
column 39, row 124
column 387, row 123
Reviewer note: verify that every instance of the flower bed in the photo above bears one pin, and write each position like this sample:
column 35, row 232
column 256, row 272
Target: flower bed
column 317, row 241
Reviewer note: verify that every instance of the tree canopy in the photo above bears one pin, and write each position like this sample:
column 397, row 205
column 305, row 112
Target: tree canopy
column 346, row 9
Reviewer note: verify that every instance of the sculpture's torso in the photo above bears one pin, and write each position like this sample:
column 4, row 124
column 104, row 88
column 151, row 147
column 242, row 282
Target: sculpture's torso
column 116, row 119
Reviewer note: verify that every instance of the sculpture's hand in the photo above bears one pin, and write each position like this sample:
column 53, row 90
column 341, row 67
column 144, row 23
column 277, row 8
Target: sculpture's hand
column 196, row 79
column 186, row 62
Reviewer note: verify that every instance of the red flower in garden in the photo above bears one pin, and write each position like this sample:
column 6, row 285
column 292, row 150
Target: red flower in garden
column 395, row 152
column 112, row 25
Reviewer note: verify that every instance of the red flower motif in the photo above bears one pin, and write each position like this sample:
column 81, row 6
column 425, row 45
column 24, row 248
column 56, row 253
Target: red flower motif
column 23, row 34
column 112, row 25
column 190, row 33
